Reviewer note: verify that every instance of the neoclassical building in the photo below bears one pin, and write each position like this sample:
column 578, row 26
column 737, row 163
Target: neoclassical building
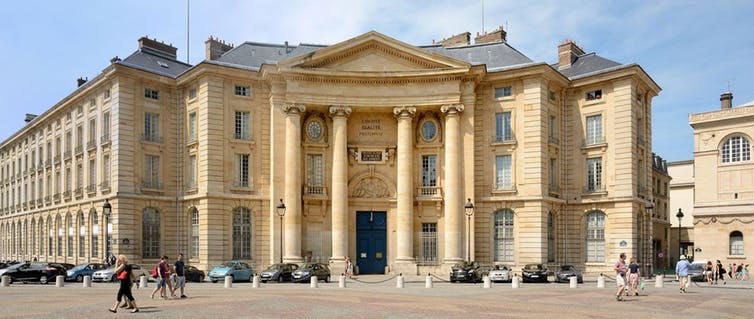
column 723, row 213
column 374, row 146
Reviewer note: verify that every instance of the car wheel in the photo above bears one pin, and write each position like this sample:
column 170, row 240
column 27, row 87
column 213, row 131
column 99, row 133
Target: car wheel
column 214, row 281
column 327, row 278
column 201, row 278
column 280, row 278
column 79, row 278
column 43, row 280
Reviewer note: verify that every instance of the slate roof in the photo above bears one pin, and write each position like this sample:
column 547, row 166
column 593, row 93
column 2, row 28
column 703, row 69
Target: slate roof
column 155, row 62
column 253, row 54
column 587, row 64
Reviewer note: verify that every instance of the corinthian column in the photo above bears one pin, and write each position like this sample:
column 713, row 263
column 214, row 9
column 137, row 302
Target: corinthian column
column 292, row 221
column 453, row 184
column 405, row 196
column 339, row 116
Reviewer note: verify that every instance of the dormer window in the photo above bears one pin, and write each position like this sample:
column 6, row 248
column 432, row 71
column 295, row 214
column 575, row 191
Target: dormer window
column 594, row 95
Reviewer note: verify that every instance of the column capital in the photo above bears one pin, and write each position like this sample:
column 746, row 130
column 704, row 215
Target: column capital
column 404, row 111
column 293, row 108
column 452, row 108
column 340, row 111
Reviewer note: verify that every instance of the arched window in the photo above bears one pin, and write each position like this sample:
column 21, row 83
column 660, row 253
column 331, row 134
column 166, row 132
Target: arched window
column 50, row 235
column 71, row 231
column 59, row 222
column 150, row 232
column 241, row 233
column 595, row 237
column 504, row 235
column 194, row 233
column 736, row 149
column 551, row 237
column 82, row 235
column 41, row 234
column 13, row 238
column 95, row 233
column 33, row 238
column 736, row 243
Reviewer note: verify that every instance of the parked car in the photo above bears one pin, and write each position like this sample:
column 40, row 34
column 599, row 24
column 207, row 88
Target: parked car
column 86, row 269
column 306, row 271
column 193, row 274
column 278, row 272
column 534, row 273
column 469, row 271
column 108, row 274
column 67, row 266
column 501, row 274
column 3, row 265
column 696, row 271
column 239, row 270
column 565, row 273
column 35, row 271
column 6, row 269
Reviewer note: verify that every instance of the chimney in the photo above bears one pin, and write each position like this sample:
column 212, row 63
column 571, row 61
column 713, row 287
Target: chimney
column 498, row 35
column 726, row 100
column 153, row 46
column 457, row 40
column 81, row 81
column 568, row 51
column 216, row 48
column 29, row 117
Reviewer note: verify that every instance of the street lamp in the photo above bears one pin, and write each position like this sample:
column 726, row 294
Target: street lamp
column 106, row 212
column 679, row 215
column 651, row 261
column 281, row 212
column 469, row 208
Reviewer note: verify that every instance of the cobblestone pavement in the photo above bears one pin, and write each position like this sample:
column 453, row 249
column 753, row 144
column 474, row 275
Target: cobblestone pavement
column 384, row 300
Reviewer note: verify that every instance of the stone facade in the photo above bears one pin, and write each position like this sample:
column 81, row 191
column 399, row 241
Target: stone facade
column 556, row 162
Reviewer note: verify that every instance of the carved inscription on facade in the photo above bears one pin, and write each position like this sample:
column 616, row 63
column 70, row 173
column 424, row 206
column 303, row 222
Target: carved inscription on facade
column 371, row 156
column 370, row 128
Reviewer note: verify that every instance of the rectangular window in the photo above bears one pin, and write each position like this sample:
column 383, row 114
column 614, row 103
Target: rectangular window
column 92, row 175
column 594, row 174
column 92, row 103
column 594, row 130
column 195, row 234
column 242, row 131
column 79, row 177
column 503, row 92
column 192, row 172
column 151, row 94
column 192, row 94
column 107, row 95
column 92, row 132
column 106, row 170
column 192, row 133
column 243, row 90
column 503, row 130
column 152, row 172
column 503, row 178
column 106, row 126
column 242, row 170
column 429, row 243
column 594, row 95
column 152, row 127
column 553, row 175
column 68, row 179
column 553, row 130
column 429, row 170
column 79, row 138
column 314, row 170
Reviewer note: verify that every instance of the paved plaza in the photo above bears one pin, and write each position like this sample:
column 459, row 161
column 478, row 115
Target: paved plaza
column 384, row 300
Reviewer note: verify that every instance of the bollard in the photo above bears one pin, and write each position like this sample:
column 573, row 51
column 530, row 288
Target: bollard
column 399, row 283
column 428, row 281
column 5, row 281
column 342, row 281
column 255, row 281
column 659, row 281
column 515, row 282
column 574, row 282
column 487, row 282
column 143, row 282
column 87, row 281
column 228, row 281
column 60, row 281
column 601, row 281
column 314, row 283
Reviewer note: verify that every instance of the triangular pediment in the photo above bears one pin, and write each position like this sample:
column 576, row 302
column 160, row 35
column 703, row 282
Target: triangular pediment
column 372, row 52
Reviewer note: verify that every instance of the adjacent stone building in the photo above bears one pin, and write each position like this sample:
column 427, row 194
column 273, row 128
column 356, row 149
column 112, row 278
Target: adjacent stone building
column 373, row 146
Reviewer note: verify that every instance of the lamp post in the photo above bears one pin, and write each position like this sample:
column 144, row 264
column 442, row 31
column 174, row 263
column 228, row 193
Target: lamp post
column 680, row 216
column 281, row 212
column 469, row 209
column 651, row 260
column 106, row 212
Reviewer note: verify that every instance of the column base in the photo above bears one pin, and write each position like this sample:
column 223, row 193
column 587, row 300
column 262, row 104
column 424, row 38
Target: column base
column 293, row 259
column 406, row 266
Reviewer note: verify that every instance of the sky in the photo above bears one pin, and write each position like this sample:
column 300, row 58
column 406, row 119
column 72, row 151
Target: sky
column 695, row 50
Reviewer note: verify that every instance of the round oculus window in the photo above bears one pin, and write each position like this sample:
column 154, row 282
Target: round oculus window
column 429, row 130
column 314, row 130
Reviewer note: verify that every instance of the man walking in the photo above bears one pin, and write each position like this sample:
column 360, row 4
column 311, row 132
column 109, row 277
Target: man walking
column 162, row 271
column 620, row 276
column 682, row 272
column 180, row 278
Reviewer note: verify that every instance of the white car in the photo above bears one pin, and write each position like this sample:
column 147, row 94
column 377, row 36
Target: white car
column 500, row 274
column 109, row 274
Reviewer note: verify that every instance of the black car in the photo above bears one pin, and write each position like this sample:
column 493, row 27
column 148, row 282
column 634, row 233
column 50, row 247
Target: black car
column 566, row 272
column 534, row 273
column 278, row 272
column 36, row 271
column 468, row 271
column 193, row 274
column 306, row 271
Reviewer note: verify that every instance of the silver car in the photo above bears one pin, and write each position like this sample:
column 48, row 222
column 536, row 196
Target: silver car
column 500, row 274
column 565, row 273
column 109, row 274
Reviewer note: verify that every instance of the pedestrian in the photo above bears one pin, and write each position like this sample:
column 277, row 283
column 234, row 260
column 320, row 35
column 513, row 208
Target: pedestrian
column 720, row 273
column 124, row 273
column 161, row 277
column 682, row 271
column 739, row 271
column 732, row 271
column 708, row 273
column 180, row 276
column 745, row 275
column 349, row 267
column 620, row 276
column 633, row 276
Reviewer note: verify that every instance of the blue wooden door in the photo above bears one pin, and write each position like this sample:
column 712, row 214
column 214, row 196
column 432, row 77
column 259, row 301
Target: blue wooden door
column 371, row 242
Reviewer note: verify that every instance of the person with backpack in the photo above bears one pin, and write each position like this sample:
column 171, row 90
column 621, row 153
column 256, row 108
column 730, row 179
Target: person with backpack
column 160, row 273
column 124, row 273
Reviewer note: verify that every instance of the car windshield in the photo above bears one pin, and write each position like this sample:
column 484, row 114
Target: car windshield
column 308, row 266
column 79, row 267
column 274, row 267
column 464, row 264
column 501, row 268
column 566, row 268
column 226, row 264
column 533, row 267
column 695, row 267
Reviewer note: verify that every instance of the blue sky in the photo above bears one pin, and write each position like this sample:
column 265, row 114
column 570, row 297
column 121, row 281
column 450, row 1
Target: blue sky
column 693, row 49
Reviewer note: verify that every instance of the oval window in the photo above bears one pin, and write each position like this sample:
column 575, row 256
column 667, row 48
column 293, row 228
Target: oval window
column 429, row 130
column 314, row 130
